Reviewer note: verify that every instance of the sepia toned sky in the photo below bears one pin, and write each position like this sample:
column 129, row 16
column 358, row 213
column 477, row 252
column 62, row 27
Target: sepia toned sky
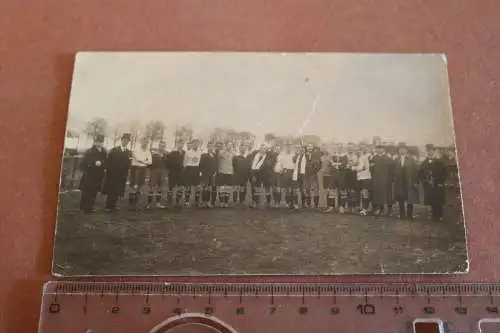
column 343, row 97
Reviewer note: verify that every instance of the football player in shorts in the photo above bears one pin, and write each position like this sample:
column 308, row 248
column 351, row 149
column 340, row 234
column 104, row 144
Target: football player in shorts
column 342, row 172
column 158, row 175
column 141, row 161
column 175, row 161
column 351, row 181
column 286, row 165
column 274, row 152
column 225, row 174
column 208, row 170
column 328, row 187
column 191, row 172
column 313, row 165
column 299, row 171
column 241, row 167
column 364, row 178
column 262, row 168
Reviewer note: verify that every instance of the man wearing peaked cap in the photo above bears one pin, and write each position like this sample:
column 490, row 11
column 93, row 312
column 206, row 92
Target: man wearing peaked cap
column 92, row 166
column 117, row 167
column 433, row 174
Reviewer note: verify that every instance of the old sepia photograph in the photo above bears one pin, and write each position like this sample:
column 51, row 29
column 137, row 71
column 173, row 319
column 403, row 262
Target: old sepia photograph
column 227, row 163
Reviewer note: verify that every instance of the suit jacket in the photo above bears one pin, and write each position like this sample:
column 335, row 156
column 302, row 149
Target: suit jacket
column 117, row 165
column 406, row 180
column 433, row 174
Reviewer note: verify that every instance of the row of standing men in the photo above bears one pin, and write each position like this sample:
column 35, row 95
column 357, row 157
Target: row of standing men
column 302, row 176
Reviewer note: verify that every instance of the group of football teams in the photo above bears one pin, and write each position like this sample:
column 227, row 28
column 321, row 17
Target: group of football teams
column 368, row 179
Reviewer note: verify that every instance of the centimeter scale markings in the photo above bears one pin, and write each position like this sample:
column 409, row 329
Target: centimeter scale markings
column 247, row 308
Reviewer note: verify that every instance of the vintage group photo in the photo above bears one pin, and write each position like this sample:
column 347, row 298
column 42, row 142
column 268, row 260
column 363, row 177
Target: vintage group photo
column 186, row 163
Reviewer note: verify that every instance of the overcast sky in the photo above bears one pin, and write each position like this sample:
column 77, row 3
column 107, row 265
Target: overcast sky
column 358, row 96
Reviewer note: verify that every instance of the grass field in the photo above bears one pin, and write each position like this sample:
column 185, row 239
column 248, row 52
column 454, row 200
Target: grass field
column 252, row 241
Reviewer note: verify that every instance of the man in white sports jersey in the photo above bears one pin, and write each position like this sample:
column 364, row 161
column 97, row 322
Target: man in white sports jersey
column 191, row 173
column 141, row 161
column 225, row 174
column 285, row 165
column 364, row 178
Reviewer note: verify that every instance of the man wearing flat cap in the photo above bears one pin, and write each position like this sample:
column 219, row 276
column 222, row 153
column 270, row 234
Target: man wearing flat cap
column 406, row 182
column 92, row 166
column 433, row 174
column 117, row 168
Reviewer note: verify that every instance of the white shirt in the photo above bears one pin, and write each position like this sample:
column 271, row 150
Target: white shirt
column 192, row 158
column 141, row 158
column 402, row 160
column 363, row 168
column 226, row 162
column 285, row 161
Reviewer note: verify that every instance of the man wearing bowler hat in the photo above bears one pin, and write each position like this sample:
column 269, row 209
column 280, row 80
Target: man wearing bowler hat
column 92, row 166
column 117, row 168
column 433, row 174
column 382, row 181
column 406, row 183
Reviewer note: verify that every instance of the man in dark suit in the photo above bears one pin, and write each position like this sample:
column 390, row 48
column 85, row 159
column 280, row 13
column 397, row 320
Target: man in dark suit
column 117, row 168
column 406, row 183
column 382, row 181
column 433, row 174
column 92, row 166
column 262, row 168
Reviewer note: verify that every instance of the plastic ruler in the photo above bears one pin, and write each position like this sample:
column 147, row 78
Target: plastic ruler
column 87, row 307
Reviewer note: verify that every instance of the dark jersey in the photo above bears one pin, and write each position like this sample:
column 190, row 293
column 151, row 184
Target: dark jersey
column 175, row 161
column 159, row 160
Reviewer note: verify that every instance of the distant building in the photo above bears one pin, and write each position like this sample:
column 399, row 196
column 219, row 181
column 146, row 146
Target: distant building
column 377, row 140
